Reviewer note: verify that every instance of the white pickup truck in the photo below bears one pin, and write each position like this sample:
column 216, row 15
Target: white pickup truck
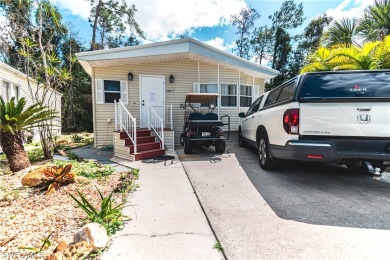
column 341, row 117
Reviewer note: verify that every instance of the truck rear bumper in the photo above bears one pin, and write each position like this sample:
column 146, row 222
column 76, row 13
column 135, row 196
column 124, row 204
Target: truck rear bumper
column 336, row 150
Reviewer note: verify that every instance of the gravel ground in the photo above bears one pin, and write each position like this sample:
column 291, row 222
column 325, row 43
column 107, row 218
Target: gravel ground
column 31, row 216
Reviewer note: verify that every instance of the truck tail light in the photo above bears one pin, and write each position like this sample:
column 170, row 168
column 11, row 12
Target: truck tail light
column 220, row 132
column 291, row 121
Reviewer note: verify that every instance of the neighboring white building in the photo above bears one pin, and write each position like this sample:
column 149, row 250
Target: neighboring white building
column 13, row 83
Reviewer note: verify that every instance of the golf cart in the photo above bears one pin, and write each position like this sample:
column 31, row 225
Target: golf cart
column 203, row 129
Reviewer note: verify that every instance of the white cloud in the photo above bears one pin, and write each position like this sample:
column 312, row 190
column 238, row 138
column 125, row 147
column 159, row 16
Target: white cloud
column 218, row 43
column 349, row 9
column 79, row 8
column 162, row 20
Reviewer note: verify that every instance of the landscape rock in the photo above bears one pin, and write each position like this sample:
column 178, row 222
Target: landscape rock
column 62, row 141
column 34, row 177
column 73, row 252
column 61, row 246
column 94, row 233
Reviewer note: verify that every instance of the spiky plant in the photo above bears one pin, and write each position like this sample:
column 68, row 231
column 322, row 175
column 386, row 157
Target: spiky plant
column 56, row 176
column 15, row 118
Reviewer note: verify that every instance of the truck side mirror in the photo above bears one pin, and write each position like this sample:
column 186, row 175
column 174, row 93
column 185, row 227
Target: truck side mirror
column 242, row 115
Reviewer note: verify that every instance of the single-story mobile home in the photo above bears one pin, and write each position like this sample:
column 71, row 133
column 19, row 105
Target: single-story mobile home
column 138, row 85
column 13, row 83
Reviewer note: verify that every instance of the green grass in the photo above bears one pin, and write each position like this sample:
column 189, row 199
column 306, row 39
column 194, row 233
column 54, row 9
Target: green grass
column 87, row 168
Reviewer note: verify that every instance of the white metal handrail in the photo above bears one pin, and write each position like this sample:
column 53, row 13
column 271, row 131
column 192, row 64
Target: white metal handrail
column 156, row 123
column 167, row 117
column 126, row 122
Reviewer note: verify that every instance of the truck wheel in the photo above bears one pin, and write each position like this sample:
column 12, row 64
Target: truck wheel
column 241, row 141
column 220, row 146
column 263, row 154
column 187, row 146
column 182, row 139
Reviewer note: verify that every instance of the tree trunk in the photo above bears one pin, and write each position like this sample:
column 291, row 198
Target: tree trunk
column 14, row 150
column 93, row 44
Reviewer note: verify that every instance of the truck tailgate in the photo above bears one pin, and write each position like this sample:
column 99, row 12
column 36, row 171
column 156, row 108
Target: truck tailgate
column 371, row 119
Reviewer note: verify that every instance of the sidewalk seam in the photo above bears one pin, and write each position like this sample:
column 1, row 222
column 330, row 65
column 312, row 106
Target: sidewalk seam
column 201, row 206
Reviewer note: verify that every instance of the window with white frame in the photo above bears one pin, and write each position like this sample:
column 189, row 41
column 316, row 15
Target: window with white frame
column 112, row 91
column 246, row 94
column 109, row 91
column 208, row 88
column 10, row 90
column 228, row 95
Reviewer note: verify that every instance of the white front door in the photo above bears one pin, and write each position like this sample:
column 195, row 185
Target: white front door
column 152, row 93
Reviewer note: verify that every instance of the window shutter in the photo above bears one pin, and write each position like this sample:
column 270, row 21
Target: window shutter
column 255, row 93
column 124, row 92
column 99, row 91
column 196, row 87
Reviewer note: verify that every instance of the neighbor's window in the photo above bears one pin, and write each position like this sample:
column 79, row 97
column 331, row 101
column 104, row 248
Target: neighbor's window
column 208, row 88
column 10, row 91
column 229, row 95
column 112, row 91
column 245, row 96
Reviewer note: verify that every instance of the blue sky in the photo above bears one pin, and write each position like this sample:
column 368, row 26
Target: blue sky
column 205, row 20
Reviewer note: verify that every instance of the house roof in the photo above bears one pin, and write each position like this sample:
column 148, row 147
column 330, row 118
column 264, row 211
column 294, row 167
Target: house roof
column 187, row 48
column 20, row 74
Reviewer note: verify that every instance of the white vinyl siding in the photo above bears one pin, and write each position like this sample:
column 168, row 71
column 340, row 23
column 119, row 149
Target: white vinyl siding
column 187, row 80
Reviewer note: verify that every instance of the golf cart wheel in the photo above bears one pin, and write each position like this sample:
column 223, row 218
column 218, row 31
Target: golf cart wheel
column 182, row 139
column 220, row 146
column 263, row 153
column 187, row 146
column 241, row 141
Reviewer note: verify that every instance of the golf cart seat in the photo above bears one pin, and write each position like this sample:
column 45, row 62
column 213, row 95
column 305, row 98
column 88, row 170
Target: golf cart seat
column 199, row 119
column 200, row 116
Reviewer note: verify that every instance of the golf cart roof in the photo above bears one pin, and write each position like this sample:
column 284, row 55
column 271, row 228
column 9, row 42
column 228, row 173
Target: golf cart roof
column 200, row 97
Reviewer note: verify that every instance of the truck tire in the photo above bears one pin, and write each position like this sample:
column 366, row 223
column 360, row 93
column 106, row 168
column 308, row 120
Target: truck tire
column 220, row 146
column 241, row 141
column 266, row 163
column 187, row 146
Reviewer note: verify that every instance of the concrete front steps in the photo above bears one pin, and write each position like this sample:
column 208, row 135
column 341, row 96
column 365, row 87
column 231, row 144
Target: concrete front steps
column 147, row 146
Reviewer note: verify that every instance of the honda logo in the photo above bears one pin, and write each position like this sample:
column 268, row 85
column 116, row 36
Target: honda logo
column 363, row 119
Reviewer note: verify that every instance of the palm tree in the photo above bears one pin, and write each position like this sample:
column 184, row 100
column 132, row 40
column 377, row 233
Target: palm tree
column 372, row 55
column 376, row 22
column 342, row 32
column 359, row 58
column 323, row 59
column 13, row 120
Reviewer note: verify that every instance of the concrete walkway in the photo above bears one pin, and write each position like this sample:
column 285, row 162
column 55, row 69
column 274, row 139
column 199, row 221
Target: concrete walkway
column 248, row 228
column 167, row 220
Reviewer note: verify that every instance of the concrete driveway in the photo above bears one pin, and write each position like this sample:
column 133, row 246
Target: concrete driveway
column 277, row 219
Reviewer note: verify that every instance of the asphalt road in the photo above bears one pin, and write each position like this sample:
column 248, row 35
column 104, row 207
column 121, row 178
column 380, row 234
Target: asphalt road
column 322, row 194
column 316, row 193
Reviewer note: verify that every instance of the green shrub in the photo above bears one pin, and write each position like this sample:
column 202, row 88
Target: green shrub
column 109, row 216
column 35, row 155
column 76, row 138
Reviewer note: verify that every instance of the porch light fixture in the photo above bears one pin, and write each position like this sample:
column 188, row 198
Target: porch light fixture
column 171, row 79
column 130, row 76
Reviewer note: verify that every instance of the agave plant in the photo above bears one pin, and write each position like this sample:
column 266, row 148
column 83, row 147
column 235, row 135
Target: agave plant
column 57, row 176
